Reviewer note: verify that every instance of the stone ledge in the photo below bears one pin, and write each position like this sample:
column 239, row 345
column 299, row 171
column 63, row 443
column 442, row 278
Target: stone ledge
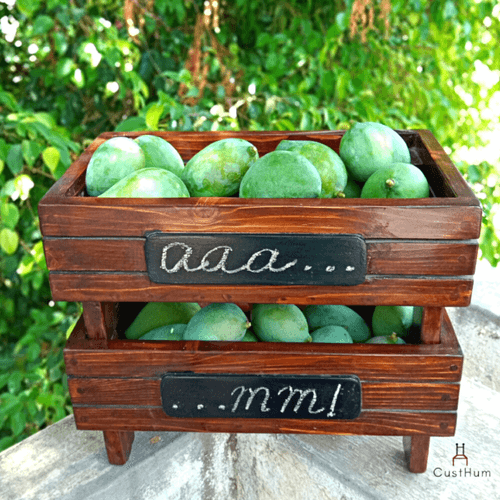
column 61, row 462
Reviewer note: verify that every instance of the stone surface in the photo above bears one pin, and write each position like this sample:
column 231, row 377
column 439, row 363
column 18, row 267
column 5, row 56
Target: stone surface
column 61, row 462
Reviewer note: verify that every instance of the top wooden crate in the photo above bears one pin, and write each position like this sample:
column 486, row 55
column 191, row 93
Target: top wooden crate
column 420, row 252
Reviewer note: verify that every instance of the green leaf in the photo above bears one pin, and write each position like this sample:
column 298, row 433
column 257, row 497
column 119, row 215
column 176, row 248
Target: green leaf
column 473, row 174
column 14, row 382
column 15, row 159
column 134, row 123
column 9, row 240
column 7, row 442
column 18, row 422
column 10, row 215
column 64, row 67
column 45, row 399
column 28, row 7
column 153, row 116
column 60, row 43
column 51, row 157
column 33, row 351
column 43, row 24
column 7, row 99
column 31, row 150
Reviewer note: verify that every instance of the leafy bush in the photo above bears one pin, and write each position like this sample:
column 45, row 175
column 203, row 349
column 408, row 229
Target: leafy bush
column 76, row 69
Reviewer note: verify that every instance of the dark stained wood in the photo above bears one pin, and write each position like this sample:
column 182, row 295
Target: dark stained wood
column 139, row 359
column 100, row 320
column 381, row 423
column 427, row 218
column 455, row 215
column 376, row 395
column 431, row 325
column 421, row 252
column 416, row 452
column 387, row 257
column 130, row 287
column 451, row 177
column 118, row 445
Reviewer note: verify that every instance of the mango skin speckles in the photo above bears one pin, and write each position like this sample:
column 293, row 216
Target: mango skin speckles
column 217, row 169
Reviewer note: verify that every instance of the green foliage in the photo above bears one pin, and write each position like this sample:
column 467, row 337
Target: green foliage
column 72, row 71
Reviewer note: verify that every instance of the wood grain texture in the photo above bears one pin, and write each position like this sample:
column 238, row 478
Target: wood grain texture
column 431, row 325
column 454, row 214
column 428, row 218
column 383, row 423
column 118, row 446
column 387, row 257
column 416, row 450
column 379, row 363
column 100, row 320
column 375, row 395
column 130, row 287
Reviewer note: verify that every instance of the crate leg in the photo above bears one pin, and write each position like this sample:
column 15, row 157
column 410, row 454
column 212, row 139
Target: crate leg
column 100, row 322
column 118, row 445
column 416, row 452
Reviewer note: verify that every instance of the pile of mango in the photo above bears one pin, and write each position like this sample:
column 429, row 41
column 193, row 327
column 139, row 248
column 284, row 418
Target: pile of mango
column 272, row 323
column 373, row 162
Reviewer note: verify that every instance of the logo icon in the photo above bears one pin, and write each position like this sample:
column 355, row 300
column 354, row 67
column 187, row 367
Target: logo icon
column 460, row 454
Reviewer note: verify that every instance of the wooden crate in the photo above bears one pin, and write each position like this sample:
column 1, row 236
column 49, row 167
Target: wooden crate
column 419, row 252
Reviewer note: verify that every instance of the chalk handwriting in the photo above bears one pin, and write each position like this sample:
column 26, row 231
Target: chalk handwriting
column 303, row 394
column 221, row 264
column 252, row 393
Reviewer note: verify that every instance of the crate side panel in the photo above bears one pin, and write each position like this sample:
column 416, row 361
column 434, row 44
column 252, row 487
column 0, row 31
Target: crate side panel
column 375, row 395
column 388, row 257
column 430, row 218
column 141, row 363
column 384, row 423
column 132, row 287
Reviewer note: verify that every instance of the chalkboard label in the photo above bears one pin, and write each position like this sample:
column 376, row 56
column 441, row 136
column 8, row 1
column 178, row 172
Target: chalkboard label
column 255, row 259
column 320, row 397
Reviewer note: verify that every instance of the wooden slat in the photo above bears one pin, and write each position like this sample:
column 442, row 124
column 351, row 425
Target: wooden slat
column 428, row 218
column 385, row 423
column 130, row 287
column 375, row 395
column 396, row 257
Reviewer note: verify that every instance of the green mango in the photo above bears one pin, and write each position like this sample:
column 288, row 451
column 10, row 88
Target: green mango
column 338, row 315
column 332, row 334
column 160, row 153
column 386, row 339
column 156, row 314
column 113, row 160
column 398, row 180
column 417, row 315
column 367, row 147
column 148, row 183
column 281, row 174
column 217, row 322
column 387, row 320
column 327, row 162
column 166, row 332
column 352, row 189
column 249, row 337
column 217, row 169
column 279, row 323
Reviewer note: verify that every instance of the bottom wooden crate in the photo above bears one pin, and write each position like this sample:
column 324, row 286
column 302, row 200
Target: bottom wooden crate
column 407, row 390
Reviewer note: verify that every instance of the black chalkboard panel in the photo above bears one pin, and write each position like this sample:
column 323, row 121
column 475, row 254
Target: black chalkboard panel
column 255, row 259
column 318, row 397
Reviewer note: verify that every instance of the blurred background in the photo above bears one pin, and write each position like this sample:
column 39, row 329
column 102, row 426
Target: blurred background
column 71, row 70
